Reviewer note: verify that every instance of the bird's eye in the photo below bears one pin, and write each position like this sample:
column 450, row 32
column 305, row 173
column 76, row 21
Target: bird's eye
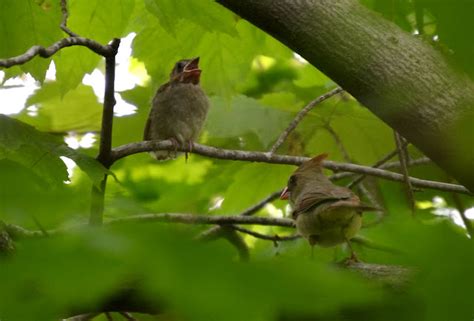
column 180, row 66
column 292, row 182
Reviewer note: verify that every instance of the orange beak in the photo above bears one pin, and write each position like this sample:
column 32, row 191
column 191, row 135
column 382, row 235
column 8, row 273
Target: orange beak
column 285, row 194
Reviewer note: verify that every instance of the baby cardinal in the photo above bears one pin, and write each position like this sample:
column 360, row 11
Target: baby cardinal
column 325, row 214
column 179, row 108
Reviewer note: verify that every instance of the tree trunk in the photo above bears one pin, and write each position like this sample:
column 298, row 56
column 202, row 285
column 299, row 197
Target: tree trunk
column 401, row 79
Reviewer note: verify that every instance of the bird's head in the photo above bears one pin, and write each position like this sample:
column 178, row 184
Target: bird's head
column 310, row 172
column 186, row 71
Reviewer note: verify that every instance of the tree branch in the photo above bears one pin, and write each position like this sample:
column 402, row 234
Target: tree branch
column 105, row 148
column 205, row 219
column 215, row 231
column 403, row 157
column 425, row 100
column 377, row 164
column 74, row 40
column 63, row 24
column 299, row 117
column 274, row 238
column 96, row 47
column 263, row 157
column 18, row 232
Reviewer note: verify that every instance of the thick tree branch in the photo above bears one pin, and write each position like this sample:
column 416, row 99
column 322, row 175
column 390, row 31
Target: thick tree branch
column 401, row 79
column 263, row 157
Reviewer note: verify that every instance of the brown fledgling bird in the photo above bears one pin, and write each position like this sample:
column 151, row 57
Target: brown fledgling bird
column 179, row 108
column 325, row 214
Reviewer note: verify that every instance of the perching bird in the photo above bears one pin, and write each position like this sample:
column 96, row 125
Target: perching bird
column 325, row 214
column 179, row 108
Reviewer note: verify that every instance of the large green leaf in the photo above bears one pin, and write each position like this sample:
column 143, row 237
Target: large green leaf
column 204, row 13
column 26, row 23
column 243, row 116
column 98, row 20
column 223, row 69
column 77, row 111
column 196, row 281
column 40, row 152
column 35, row 150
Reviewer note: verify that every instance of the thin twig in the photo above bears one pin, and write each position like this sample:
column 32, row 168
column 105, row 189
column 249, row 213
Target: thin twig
column 39, row 225
column 18, row 232
column 63, row 24
column 274, row 238
column 108, row 315
column 36, row 50
column 339, row 144
column 227, row 232
column 377, row 164
column 403, row 158
column 255, row 208
column 127, row 316
column 263, row 157
column 411, row 162
column 345, row 154
column 300, row 116
column 215, row 231
column 391, row 165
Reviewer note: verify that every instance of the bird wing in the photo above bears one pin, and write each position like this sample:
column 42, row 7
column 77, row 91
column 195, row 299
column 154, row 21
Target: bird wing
column 321, row 195
column 146, row 133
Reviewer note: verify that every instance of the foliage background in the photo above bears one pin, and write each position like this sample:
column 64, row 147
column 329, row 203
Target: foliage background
column 256, row 86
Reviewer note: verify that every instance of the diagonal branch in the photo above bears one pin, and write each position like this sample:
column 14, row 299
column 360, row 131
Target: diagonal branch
column 63, row 24
column 345, row 154
column 264, row 157
column 403, row 157
column 215, row 231
column 379, row 163
column 299, row 117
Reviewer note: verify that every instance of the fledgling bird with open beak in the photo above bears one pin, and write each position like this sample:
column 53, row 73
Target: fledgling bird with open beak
column 179, row 108
column 325, row 214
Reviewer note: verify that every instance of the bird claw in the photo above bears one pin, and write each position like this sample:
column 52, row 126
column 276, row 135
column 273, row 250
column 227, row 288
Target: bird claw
column 190, row 150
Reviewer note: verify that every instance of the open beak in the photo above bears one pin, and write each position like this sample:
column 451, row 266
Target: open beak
column 285, row 194
column 192, row 65
column 191, row 71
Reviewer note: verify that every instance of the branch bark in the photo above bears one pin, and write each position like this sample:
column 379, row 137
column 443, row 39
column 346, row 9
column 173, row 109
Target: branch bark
column 423, row 99
column 105, row 148
column 264, row 157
